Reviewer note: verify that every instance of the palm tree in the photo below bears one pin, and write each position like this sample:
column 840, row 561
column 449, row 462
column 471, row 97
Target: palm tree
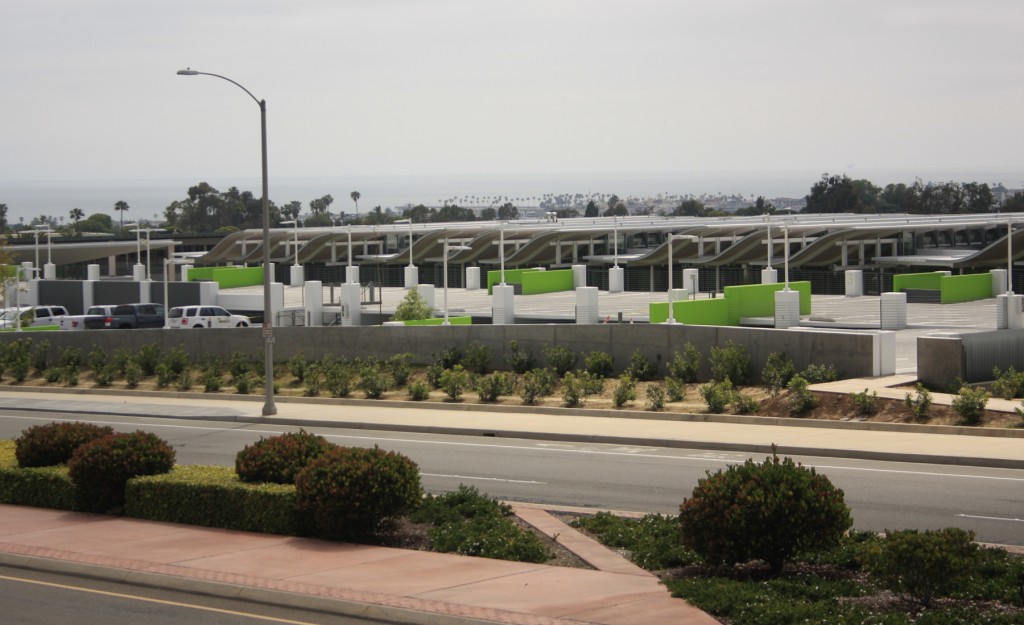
column 355, row 195
column 76, row 216
column 121, row 206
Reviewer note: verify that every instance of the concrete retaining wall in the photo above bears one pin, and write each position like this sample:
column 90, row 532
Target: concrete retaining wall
column 853, row 354
column 941, row 360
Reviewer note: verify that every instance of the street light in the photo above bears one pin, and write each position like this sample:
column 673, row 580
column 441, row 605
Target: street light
column 168, row 263
column 268, row 333
column 36, row 232
column 408, row 221
column 447, row 249
column 294, row 223
column 138, row 246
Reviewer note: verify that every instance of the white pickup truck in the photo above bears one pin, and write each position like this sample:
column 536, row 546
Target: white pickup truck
column 77, row 322
column 32, row 316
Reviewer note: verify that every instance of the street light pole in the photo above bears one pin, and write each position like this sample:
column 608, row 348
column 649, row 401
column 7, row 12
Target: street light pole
column 268, row 323
column 294, row 223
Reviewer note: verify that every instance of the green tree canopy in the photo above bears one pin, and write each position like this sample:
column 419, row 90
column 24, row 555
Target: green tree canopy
column 207, row 210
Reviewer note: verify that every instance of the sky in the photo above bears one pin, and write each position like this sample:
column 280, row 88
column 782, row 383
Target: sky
column 423, row 87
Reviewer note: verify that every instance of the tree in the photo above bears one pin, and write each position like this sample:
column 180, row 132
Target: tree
column 121, row 206
column 618, row 210
column 1014, row 203
column 355, row 195
column 591, row 210
column 412, row 308
column 3, row 218
column 321, row 205
column 291, row 210
column 208, row 210
column 488, row 214
column 76, row 216
column 690, row 208
column 840, row 194
column 508, row 212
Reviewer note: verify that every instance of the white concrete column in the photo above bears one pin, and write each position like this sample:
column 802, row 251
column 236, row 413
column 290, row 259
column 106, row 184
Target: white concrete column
column 31, row 298
column 579, row 275
column 586, row 304
column 503, row 307
column 88, row 300
column 111, row 265
column 787, row 309
column 893, row 311
column 313, row 295
column 145, row 293
column 854, row 282
column 691, row 280
column 49, row 271
column 352, row 274
column 412, row 276
column 297, row 275
column 92, row 272
column 426, row 291
column 616, row 280
column 351, row 304
column 472, row 278
column 998, row 281
column 769, row 276
column 1015, row 312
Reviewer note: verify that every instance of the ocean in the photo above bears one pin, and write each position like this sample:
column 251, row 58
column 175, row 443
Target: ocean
column 147, row 199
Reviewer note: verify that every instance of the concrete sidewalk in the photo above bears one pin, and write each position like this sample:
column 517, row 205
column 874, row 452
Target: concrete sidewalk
column 988, row 447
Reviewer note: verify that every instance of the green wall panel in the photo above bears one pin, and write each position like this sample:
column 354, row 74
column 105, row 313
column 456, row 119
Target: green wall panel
column 436, row 321
column 512, row 276
column 969, row 288
column 930, row 280
column 537, row 282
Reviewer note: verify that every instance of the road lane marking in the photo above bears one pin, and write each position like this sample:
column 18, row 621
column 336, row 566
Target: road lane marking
column 487, row 479
column 176, row 604
column 990, row 518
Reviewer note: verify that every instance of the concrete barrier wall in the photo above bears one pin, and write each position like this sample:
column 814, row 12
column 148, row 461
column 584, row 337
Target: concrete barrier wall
column 851, row 353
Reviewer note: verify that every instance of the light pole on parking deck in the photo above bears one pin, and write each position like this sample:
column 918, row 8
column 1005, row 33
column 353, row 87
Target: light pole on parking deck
column 268, row 322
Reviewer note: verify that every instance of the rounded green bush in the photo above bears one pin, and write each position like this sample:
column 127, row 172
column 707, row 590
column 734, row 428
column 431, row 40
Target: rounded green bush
column 768, row 512
column 352, row 492
column 53, row 443
column 101, row 468
column 279, row 459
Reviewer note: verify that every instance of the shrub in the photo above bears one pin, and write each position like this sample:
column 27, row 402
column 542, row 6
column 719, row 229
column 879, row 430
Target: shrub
column 454, row 381
column 685, row 367
column 625, row 391
column 867, row 404
column 652, row 541
column 718, row 395
column 448, row 357
column 576, row 387
column 53, row 443
column 351, row 492
column 184, row 382
column 599, row 364
column 1008, row 384
column 213, row 497
column 105, row 375
column 71, row 357
column 101, row 467
column 518, row 359
column 120, row 359
column 675, row 389
column 777, row 372
column 53, row 374
column 40, row 355
column 921, row 566
column 920, row 403
column 537, row 383
column 768, row 511
column 399, row 367
column 148, row 357
column 970, row 405
column 419, row 391
column 164, row 375
column 239, row 364
column 339, row 379
column 641, row 367
column 97, row 358
column 458, row 505
column 412, row 308
column 655, row 395
column 801, row 400
column 373, row 381
column 211, row 380
column 817, row 373
column 69, row 375
column 561, row 359
column 19, row 359
column 477, row 358
column 731, row 362
column 434, row 375
column 245, row 383
column 744, row 404
column 297, row 367
column 314, row 380
column 491, row 387
column 132, row 374
column 42, row 487
column 279, row 459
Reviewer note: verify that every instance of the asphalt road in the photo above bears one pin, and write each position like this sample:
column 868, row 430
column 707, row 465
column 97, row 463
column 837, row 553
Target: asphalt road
column 39, row 598
column 882, row 495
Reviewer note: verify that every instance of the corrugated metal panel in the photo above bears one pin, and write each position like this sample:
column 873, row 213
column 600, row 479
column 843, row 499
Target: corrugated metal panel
column 985, row 350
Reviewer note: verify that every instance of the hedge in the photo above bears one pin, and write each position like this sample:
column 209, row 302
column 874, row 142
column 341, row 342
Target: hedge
column 42, row 487
column 213, row 496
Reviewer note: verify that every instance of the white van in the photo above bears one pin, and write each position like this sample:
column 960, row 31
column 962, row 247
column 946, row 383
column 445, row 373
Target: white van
column 205, row 317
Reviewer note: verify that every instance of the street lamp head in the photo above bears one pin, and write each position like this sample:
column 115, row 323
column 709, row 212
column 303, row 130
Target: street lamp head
column 187, row 72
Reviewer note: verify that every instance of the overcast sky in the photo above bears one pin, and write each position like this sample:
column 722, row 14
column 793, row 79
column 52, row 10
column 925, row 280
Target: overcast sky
column 361, row 87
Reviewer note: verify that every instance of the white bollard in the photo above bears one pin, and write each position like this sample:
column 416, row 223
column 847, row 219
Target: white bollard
column 297, row 275
column 412, row 276
column 787, row 309
column 586, row 304
column 616, row 280
column 503, row 307
column 854, row 282
column 472, row 278
column 769, row 276
column 894, row 311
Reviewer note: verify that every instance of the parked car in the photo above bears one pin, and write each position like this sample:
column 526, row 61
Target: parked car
column 77, row 322
column 205, row 317
column 127, row 316
column 32, row 316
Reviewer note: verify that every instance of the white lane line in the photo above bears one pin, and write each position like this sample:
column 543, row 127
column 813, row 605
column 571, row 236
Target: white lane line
column 990, row 518
column 699, row 457
column 485, row 479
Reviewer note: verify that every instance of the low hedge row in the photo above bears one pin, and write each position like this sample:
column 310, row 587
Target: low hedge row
column 213, row 496
column 41, row 487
